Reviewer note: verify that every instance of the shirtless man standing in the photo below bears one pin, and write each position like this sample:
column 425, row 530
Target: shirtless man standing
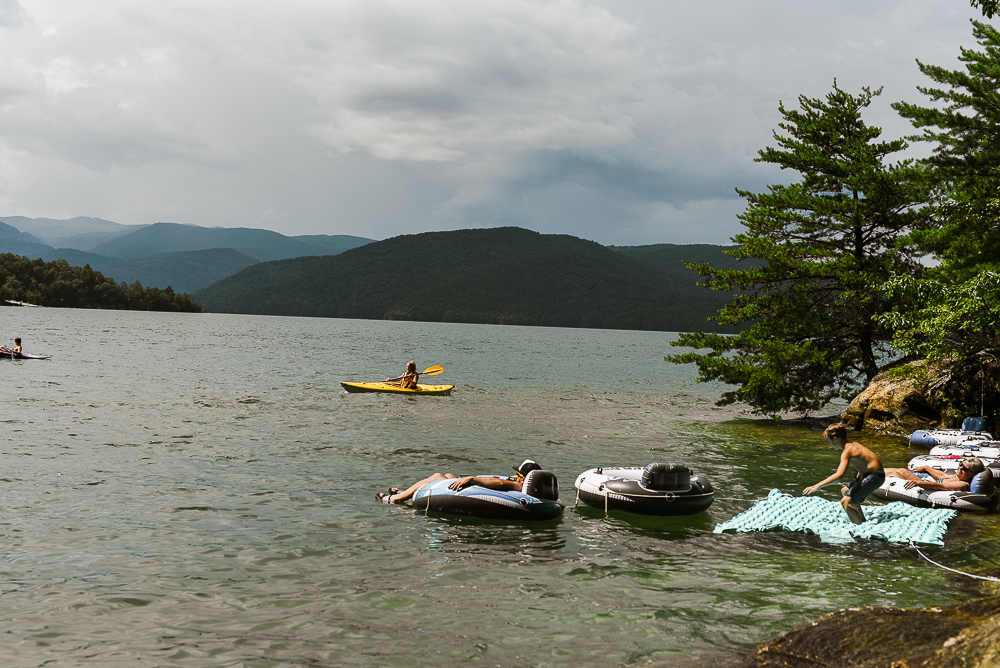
column 869, row 474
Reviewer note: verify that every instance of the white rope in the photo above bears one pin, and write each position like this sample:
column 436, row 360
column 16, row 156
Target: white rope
column 978, row 577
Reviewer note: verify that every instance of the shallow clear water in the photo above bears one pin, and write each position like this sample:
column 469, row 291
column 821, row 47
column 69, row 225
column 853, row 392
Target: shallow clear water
column 197, row 490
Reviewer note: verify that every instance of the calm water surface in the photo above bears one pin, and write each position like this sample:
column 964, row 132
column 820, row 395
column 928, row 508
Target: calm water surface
column 197, row 490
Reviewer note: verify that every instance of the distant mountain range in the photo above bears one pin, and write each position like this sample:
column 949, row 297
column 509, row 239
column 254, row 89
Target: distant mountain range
column 499, row 275
column 184, row 257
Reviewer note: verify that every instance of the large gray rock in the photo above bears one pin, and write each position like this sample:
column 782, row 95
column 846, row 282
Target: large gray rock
column 900, row 405
column 957, row 636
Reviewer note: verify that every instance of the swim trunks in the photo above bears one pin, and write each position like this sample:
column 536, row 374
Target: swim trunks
column 862, row 486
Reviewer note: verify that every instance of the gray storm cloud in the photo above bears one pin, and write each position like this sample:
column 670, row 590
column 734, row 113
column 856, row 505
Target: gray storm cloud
column 625, row 122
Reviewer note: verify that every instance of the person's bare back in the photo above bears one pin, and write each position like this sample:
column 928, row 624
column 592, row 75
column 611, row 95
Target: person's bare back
column 862, row 459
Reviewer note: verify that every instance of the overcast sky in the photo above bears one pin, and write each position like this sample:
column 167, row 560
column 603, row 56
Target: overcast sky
column 625, row 122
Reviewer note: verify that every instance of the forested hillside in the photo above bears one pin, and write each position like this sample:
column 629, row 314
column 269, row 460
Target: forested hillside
column 499, row 276
column 60, row 284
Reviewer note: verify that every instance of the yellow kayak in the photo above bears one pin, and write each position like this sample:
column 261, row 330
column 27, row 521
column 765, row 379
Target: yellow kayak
column 386, row 387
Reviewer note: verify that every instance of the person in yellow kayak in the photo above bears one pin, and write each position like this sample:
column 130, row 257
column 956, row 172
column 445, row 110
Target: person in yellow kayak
column 408, row 381
column 512, row 484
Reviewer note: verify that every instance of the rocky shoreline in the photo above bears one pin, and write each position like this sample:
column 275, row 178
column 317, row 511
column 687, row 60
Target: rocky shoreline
column 898, row 405
column 964, row 635
column 956, row 636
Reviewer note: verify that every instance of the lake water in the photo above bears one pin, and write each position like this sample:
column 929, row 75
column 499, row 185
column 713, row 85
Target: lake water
column 197, row 490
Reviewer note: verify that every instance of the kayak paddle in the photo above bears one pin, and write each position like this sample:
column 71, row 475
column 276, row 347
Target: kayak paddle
column 432, row 370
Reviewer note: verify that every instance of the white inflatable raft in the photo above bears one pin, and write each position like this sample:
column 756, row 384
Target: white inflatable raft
column 985, row 450
column 657, row 489
column 973, row 429
column 983, row 495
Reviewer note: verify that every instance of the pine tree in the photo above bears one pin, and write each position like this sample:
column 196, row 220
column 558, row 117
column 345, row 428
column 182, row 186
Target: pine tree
column 951, row 314
column 965, row 128
column 988, row 7
column 826, row 242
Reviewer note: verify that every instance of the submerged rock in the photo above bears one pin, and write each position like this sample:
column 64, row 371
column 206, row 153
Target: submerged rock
column 958, row 636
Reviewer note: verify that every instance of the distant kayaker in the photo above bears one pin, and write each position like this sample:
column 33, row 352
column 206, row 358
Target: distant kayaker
column 409, row 378
column 17, row 345
column 511, row 484
column 869, row 474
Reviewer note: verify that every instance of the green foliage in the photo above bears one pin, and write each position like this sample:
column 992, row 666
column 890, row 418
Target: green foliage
column 826, row 241
column 60, row 284
column 944, row 319
column 957, row 327
column 490, row 276
column 951, row 316
column 988, row 7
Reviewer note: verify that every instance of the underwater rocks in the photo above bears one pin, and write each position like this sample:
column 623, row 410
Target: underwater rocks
column 958, row 636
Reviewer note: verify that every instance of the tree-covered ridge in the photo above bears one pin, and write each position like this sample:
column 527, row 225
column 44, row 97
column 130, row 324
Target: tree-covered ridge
column 60, row 284
column 488, row 276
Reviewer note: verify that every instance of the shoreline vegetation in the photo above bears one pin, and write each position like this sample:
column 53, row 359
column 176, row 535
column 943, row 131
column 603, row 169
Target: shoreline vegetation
column 841, row 294
column 843, row 307
column 25, row 282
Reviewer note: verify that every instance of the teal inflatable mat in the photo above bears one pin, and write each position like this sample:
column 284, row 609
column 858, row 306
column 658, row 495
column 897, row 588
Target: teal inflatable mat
column 896, row 522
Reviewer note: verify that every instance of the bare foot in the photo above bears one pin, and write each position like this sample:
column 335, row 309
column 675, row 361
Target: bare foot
column 855, row 514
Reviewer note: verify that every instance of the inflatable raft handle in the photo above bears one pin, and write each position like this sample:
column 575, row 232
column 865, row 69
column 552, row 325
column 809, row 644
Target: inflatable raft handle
column 666, row 477
column 541, row 484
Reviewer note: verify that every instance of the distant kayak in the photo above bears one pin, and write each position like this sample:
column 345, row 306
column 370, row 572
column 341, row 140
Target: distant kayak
column 22, row 356
column 386, row 387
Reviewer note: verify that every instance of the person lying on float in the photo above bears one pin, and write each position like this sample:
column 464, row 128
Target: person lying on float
column 933, row 480
column 511, row 484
